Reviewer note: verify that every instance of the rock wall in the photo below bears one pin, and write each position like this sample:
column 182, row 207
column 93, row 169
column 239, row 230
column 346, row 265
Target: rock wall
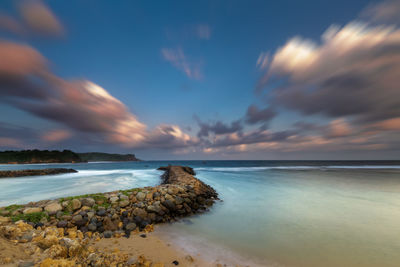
column 120, row 212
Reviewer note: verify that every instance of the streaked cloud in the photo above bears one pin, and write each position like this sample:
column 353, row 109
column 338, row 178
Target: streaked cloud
column 179, row 60
column 83, row 108
column 386, row 12
column 255, row 115
column 40, row 18
column 56, row 135
column 9, row 24
column 217, row 128
column 263, row 60
column 353, row 72
column 35, row 18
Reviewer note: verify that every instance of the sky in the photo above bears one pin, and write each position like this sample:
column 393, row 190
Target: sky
column 202, row 79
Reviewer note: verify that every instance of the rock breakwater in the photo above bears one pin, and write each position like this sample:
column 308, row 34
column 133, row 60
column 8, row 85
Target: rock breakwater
column 113, row 214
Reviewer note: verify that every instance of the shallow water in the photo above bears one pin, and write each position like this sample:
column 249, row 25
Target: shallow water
column 273, row 213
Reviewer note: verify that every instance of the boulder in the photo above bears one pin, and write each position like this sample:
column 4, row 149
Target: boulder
column 53, row 208
column 123, row 197
column 88, row 202
column 107, row 234
column 77, row 218
column 4, row 219
column 76, row 204
column 114, row 199
column 101, row 212
column 32, row 210
column 92, row 227
column 123, row 203
column 109, row 225
column 140, row 196
column 169, row 205
column 130, row 226
column 62, row 224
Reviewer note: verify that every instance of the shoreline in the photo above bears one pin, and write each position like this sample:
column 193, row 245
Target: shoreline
column 103, row 216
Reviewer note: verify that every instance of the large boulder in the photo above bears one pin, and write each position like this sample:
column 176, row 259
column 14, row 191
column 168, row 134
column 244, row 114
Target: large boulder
column 32, row 210
column 53, row 208
column 109, row 225
column 89, row 202
column 123, row 203
column 75, row 204
column 140, row 196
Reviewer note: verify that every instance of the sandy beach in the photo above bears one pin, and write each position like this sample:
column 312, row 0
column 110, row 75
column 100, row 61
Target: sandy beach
column 153, row 247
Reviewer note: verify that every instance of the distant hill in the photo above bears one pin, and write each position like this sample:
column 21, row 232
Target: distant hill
column 97, row 156
column 39, row 156
column 55, row 156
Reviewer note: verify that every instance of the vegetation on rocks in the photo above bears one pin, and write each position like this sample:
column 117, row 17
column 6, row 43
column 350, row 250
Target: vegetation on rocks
column 39, row 156
column 55, row 156
column 97, row 156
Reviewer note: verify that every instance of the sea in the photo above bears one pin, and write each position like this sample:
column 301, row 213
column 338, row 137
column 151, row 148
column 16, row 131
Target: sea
column 271, row 213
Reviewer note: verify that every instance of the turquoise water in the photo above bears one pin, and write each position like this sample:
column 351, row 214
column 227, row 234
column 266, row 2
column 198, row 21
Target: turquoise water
column 273, row 212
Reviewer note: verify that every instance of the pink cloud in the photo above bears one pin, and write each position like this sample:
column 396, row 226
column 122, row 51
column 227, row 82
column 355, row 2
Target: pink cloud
column 40, row 18
column 56, row 136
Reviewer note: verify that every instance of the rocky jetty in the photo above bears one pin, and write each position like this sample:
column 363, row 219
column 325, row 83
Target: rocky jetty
column 20, row 173
column 114, row 214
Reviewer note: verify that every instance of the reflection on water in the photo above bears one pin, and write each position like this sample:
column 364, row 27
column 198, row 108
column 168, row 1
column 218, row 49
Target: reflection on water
column 341, row 217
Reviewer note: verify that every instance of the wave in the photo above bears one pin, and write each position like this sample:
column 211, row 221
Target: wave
column 296, row 168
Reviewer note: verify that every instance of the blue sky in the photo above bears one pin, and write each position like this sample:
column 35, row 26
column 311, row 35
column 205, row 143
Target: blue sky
column 186, row 63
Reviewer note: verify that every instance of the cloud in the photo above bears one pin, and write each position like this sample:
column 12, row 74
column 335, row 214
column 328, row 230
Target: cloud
column 20, row 60
column 178, row 59
column 169, row 137
column 11, row 25
column 339, row 128
column 85, row 108
column 56, row 135
column 35, row 18
column 203, row 31
column 386, row 11
column 251, row 137
column 353, row 72
column 255, row 115
column 217, row 128
column 262, row 61
column 39, row 18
